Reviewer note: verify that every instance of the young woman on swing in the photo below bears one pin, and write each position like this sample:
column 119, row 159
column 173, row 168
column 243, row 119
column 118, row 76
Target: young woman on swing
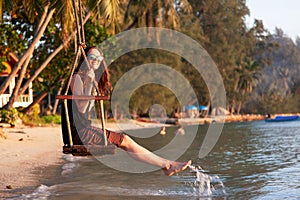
column 85, row 134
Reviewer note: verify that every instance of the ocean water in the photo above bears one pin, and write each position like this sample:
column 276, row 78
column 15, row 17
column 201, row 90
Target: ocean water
column 251, row 160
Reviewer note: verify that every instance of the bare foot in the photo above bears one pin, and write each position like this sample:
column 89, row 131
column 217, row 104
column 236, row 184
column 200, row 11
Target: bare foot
column 175, row 167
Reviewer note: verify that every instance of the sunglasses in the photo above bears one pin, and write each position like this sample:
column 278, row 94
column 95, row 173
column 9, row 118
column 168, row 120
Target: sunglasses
column 95, row 58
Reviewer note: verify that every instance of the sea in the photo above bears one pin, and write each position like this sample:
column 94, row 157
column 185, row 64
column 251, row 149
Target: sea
column 250, row 160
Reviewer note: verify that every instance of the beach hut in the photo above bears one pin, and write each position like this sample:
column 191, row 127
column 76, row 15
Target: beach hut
column 192, row 111
column 25, row 99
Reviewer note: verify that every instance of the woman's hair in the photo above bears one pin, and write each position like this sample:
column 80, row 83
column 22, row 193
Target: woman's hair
column 101, row 74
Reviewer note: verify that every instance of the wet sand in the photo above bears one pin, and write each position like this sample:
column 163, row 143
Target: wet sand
column 26, row 149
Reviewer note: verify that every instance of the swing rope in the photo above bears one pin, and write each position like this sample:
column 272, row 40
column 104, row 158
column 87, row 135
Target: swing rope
column 99, row 99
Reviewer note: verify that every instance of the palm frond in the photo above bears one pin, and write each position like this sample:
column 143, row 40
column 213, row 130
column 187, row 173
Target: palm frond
column 185, row 7
column 65, row 12
column 106, row 12
column 110, row 10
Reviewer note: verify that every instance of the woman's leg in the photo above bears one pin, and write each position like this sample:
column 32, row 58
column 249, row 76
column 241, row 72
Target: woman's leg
column 142, row 154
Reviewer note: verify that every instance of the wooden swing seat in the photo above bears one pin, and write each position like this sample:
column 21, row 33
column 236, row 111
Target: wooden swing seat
column 90, row 150
column 82, row 97
column 87, row 150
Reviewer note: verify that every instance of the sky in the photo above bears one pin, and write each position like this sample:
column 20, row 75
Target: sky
column 283, row 14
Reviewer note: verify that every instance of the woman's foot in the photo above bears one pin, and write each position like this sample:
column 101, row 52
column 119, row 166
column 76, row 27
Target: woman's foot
column 175, row 167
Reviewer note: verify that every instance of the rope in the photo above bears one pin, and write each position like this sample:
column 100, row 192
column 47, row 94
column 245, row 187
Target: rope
column 80, row 52
column 103, row 122
column 65, row 100
column 77, row 21
column 68, row 123
column 81, row 22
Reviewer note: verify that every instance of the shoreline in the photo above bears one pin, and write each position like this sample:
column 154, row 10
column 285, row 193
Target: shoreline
column 223, row 119
column 27, row 150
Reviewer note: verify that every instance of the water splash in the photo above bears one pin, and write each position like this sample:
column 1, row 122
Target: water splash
column 207, row 185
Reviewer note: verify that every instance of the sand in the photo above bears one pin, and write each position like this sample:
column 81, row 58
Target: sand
column 24, row 150
column 29, row 148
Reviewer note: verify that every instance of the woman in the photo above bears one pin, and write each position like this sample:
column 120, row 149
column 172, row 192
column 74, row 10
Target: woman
column 94, row 68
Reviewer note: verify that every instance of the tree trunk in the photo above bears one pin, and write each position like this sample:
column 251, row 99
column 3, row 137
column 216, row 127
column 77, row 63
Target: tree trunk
column 49, row 58
column 232, row 111
column 239, row 107
column 29, row 52
column 57, row 100
column 1, row 10
column 25, row 55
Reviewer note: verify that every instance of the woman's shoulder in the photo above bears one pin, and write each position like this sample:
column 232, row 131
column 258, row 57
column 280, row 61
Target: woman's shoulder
column 76, row 76
column 76, row 79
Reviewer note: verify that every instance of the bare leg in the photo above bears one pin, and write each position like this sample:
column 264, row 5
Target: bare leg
column 142, row 154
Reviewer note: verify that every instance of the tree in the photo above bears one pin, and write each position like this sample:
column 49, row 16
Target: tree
column 155, row 13
column 30, row 9
column 247, row 76
column 24, row 60
column 10, row 41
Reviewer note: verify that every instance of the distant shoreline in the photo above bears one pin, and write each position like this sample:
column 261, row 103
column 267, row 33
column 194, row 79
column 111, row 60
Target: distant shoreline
column 224, row 119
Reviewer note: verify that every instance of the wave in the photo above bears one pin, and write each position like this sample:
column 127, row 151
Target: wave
column 40, row 193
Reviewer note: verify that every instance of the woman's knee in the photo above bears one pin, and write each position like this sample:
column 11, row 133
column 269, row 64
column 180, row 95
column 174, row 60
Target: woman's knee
column 126, row 142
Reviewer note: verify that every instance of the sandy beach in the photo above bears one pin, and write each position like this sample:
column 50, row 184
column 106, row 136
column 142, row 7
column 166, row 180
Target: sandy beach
column 26, row 149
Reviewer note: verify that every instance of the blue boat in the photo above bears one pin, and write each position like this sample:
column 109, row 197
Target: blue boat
column 283, row 118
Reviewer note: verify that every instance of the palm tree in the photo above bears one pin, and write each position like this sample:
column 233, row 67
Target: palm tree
column 155, row 13
column 247, row 76
column 25, row 58
column 65, row 16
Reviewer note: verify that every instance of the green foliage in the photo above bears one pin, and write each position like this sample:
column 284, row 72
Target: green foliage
column 9, row 116
column 11, row 40
column 35, row 112
column 2, row 59
column 240, row 52
column 41, row 121
column 148, row 95
column 32, row 117
column 155, row 13
column 59, row 68
column 49, row 119
column 95, row 33
column 247, row 75
column 278, row 88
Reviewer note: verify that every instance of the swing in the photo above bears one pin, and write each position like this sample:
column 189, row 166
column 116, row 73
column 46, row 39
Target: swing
column 84, row 150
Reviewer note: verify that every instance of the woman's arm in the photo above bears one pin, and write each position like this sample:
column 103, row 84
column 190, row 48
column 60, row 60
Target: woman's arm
column 78, row 88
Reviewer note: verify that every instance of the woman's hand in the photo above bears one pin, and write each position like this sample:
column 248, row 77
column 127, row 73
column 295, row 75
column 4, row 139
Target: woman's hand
column 91, row 74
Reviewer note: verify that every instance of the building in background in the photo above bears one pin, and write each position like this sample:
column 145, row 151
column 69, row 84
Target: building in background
column 26, row 98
